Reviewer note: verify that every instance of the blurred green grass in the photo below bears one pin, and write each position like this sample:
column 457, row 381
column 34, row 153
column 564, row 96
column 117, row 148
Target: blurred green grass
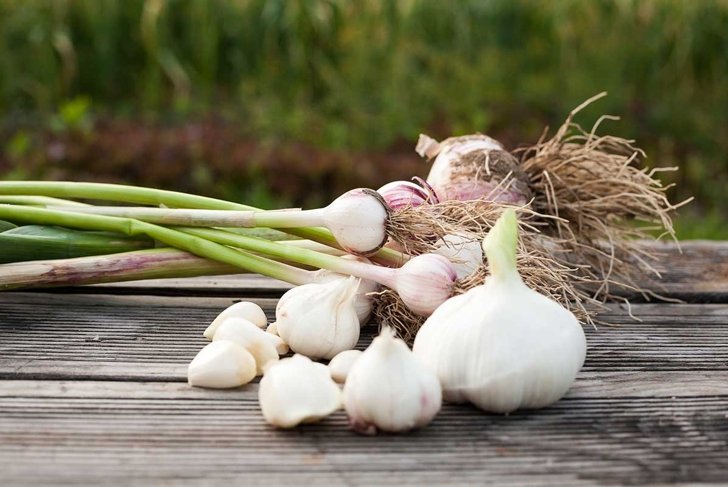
column 341, row 76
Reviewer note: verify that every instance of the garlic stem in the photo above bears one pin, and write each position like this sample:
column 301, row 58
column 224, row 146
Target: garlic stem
column 158, row 197
column 423, row 283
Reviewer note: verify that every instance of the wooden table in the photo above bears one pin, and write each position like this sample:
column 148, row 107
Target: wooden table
column 93, row 391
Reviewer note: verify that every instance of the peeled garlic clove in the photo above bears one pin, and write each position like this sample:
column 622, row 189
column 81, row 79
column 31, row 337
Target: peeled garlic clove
column 466, row 254
column 250, row 337
column 388, row 389
column 278, row 343
column 502, row 346
column 319, row 320
column 297, row 390
column 341, row 364
column 244, row 309
column 221, row 365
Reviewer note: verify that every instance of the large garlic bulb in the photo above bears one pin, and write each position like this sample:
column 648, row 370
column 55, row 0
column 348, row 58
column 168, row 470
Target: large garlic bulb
column 319, row 320
column 388, row 389
column 502, row 346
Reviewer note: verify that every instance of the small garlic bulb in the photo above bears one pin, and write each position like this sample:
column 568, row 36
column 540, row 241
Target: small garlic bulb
column 358, row 221
column 256, row 341
column 502, row 346
column 341, row 364
column 424, row 282
column 401, row 194
column 388, row 389
column 319, row 320
column 297, row 390
column 221, row 365
column 244, row 309
column 465, row 253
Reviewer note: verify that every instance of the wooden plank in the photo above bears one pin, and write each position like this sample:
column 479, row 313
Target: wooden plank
column 695, row 271
column 154, row 338
column 90, row 433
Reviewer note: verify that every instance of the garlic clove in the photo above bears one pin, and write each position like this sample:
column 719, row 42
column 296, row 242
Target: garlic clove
column 319, row 320
column 341, row 364
column 388, row 389
column 280, row 346
column 221, row 365
column 465, row 254
column 297, row 390
column 244, row 309
column 272, row 328
column 256, row 341
column 363, row 301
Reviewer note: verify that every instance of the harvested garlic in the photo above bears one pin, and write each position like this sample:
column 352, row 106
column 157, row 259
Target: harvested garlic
column 341, row 364
column 502, row 346
column 297, row 390
column 256, row 341
column 319, row 320
column 465, row 253
column 221, row 365
column 244, row 309
column 363, row 301
column 388, row 389
column 278, row 343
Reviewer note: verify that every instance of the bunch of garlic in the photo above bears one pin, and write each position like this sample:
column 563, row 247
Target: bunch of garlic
column 388, row 389
column 239, row 351
column 297, row 390
column 502, row 346
column 319, row 320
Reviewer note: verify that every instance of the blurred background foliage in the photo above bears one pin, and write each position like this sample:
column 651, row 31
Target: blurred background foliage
column 289, row 102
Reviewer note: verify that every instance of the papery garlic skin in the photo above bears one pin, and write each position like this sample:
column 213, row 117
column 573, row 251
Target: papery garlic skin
column 221, row 365
column 256, row 341
column 244, row 309
column 502, row 346
column 319, row 320
column 341, row 364
column 388, row 389
column 297, row 390
column 466, row 254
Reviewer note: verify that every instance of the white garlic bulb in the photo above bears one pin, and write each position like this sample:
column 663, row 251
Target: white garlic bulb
column 256, row 341
column 318, row 320
column 297, row 390
column 502, row 346
column 341, row 364
column 388, row 389
column 244, row 309
column 363, row 301
column 221, row 365
column 465, row 253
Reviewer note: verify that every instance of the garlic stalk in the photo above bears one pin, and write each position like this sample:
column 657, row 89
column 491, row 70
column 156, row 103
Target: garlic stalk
column 357, row 219
column 221, row 365
column 319, row 320
column 340, row 365
column 245, row 310
column 296, row 390
column 256, row 341
column 388, row 389
column 501, row 345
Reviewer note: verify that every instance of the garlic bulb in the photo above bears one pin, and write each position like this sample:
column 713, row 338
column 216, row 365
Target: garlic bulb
column 244, row 309
column 472, row 167
column 424, row 282
column 401, row 194
column 296, row 390
column 502, row 346
column 221, row 365
column 358, row 221
column 465, row 253
column 340, row 365
column 256, row 341
column 363, row 301
column 389, row 389
column 318, row 320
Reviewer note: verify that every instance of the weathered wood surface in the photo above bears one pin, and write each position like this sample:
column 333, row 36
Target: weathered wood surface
column 92, row 391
